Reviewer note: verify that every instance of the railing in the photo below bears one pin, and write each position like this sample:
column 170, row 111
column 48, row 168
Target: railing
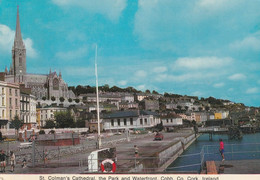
column 211, row 153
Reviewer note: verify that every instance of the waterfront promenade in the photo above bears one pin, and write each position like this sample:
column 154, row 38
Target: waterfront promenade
column 148, row 148
column 238, row 166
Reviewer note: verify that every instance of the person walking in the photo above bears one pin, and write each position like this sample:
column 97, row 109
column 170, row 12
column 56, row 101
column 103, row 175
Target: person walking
column 221, row 149
column 3, row 160
column 12, row 158
column 136, row 151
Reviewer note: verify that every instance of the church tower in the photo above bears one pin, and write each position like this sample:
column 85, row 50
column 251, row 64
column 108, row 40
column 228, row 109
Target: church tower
column 18, row 54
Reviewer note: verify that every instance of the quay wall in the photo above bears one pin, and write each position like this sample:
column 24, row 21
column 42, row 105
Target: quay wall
column 159, row 161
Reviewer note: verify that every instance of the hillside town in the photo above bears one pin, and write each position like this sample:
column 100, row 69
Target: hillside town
column 38, row 101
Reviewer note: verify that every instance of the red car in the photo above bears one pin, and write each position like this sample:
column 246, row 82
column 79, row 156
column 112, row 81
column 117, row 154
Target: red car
column 158, row 137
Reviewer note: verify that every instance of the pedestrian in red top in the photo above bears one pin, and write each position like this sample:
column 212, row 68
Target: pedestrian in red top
column 221, row 149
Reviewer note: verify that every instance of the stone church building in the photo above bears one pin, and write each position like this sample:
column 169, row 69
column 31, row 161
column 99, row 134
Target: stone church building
column 42, row 85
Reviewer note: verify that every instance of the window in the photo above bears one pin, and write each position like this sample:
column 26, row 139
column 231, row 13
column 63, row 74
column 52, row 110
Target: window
column 131, row 121
column 171, row 120
column 10, row 91
column 46, row 116
column 3, row 113
column 112, row 122
column 3, row 101
column 125, row 122
column 16, row 102
column 10, row 101
column 167, row 120
column 16, row 94
column 145, row 121
column 118, row 122
column 16, row 112
column 3, row 91
column 10, row 114
column 20, row 61
column 141, row 121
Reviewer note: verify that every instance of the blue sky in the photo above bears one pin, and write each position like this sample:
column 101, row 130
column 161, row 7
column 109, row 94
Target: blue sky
column 193, row 47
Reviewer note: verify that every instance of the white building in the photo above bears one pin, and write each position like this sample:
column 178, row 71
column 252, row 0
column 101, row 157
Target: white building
column 171, row 120
column 121, row 120
column 3, row 108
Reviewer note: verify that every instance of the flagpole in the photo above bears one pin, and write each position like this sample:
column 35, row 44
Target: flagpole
column 98, row 119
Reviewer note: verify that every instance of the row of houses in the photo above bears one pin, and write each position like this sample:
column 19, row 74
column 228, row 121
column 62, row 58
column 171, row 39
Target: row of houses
column 16, row 100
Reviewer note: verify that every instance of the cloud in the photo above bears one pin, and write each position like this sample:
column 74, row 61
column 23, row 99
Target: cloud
column 186, row 27
column 202, row 62
column 252, row 90
column 122, row 83
column 160, row 69
column 197, row 93
column 141, row 87
column 141, row 74
column 237, row 77
column 112, row 9
column 247, row 43
column 72, row 55
column 218, row 85
column 7, row 40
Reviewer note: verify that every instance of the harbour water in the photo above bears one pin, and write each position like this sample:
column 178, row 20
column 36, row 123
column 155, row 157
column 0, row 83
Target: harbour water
column 203, row 150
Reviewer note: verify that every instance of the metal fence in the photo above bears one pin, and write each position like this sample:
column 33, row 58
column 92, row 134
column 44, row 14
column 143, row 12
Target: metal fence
column 195, row 161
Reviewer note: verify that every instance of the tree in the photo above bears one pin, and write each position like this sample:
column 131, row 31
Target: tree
column 200, row 108
column 17, row 124
column 70, row 100
column 80, row 123
column 207, row 108
column 148, row 91
column 41, row 131
column 186, row 107
column 44, row 98
column 53, row 98
column 77, row 100
column 49, row 124
column 62, row 99
column 155, row 92
column 179, row 107
column 64, row 120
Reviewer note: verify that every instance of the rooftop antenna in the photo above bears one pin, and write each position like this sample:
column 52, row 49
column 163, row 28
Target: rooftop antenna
column 98, row 119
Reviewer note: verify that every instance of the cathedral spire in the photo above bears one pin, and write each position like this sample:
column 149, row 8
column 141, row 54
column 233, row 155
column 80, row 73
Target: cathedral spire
column 18, row 41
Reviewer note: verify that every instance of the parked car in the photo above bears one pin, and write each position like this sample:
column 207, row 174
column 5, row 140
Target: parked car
column 158, row 137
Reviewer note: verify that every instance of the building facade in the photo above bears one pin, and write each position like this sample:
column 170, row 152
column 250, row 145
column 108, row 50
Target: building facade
column 3, row 106
column 48, row 113
column 122, row 120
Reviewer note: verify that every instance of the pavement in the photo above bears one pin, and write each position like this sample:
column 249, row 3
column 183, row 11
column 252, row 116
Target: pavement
column 77, row 164
column 239, row 166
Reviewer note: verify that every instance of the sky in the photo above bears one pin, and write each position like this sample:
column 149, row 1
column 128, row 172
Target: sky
column 190, row 47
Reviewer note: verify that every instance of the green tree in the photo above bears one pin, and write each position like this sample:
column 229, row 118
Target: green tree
column 155, row 92
column 53, row 98
column 70, row 100
column 64, row 120
column 148, row 91
column 17, row 124
column 49, row 124
column 77, row 100
column 80, row 123
column 44, row 98
column 179, row 107
column 62, row 99
column 186, row 107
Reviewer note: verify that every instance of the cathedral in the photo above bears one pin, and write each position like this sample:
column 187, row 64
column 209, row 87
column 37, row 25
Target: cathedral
column 42, row 85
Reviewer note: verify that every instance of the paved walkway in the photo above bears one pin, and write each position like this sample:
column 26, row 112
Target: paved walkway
column 125, row 156
column 240, row 166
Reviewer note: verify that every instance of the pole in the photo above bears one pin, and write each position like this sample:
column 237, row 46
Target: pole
column 99, row 138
